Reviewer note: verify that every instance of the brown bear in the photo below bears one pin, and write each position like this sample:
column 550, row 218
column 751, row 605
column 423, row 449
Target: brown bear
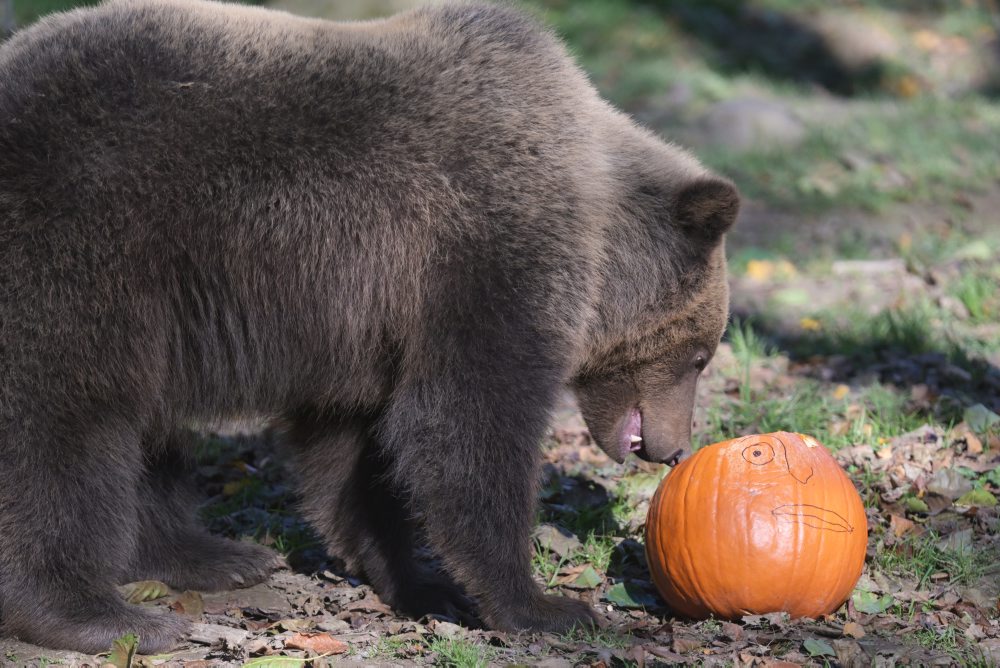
column 396, row 239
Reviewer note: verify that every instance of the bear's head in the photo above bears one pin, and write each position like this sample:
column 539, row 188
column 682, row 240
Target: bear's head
column 663, row 304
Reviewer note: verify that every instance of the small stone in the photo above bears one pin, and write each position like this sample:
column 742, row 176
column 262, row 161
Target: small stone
column 949, row 483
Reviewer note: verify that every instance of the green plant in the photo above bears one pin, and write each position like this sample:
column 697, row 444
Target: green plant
column 461, row 653
column 980, row 296
column 598, row 637
column 923, row 556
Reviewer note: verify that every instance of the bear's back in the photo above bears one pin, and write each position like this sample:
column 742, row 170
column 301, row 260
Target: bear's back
column 189, row 92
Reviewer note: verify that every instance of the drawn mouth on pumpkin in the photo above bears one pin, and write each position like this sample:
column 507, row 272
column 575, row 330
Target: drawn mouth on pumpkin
column 813, row 516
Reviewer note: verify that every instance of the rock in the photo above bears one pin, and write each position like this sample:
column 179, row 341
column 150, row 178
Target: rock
column 949, row 483
column 868, row 267
column 856, row 41
column 981, row 419
column 746, row 123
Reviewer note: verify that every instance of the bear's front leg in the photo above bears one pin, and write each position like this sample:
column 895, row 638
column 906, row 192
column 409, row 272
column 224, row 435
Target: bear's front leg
column 465, row 444
column 170, row 545
column 68, row 517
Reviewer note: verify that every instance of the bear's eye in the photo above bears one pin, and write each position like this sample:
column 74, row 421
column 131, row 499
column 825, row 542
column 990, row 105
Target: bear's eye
column 700, row 362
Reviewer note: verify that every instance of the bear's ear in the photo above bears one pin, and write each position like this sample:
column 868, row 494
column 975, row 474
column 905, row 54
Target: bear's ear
column 707, row 207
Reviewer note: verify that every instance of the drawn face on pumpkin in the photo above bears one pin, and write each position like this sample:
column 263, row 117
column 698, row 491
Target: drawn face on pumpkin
column 773, row 458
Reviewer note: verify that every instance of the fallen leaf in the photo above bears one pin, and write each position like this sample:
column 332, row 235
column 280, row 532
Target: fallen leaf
column 294, row 624
column 448, row 630
column 683, row 644
column 973, row 445
column 145, row 590
column 849, row 652
column 369, row 604
column 275, row 662
column 871, row 604
column 915, row 505
column 841, row 391
column 979, row 498
column 123, row 651
column 817, row 647
column 732, row 631
column 900, row 526
column 189, row 603
column 813, row 325
column 956, row 541
column 321, row 643
column 588, row 579
column 665, row 653
column 630, row 596
column 557, row 540
column 854, row 630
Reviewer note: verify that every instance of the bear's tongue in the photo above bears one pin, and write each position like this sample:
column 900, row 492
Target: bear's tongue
column 631, row 439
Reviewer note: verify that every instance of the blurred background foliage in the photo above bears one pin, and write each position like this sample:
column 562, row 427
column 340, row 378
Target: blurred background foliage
column 808, row 104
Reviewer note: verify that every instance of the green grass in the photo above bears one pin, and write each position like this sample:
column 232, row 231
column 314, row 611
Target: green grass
column 950, row 640
column 748, row 347
column 461, row 653
column 598, row 637
column 979, row 293
column 546, row 564
column 872, row 415
column 921, row 557
column 596, row 551
column 386, row 649
column 922, row 150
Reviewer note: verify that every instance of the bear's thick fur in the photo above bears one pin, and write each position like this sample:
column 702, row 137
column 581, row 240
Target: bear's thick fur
column 398, row 239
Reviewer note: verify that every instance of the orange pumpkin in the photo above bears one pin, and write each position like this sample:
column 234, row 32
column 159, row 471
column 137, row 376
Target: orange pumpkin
column 758, row 524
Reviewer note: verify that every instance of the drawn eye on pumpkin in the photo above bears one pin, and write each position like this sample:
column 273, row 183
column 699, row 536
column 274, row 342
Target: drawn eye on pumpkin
column 759, row 454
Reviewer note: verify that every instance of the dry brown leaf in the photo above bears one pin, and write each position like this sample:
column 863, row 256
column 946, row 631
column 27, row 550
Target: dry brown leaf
column 854, row 630
column 189, row 603
column 732, row 631
column 900, row 526
column 684, row 644
column 321, row 643
column 369, row 605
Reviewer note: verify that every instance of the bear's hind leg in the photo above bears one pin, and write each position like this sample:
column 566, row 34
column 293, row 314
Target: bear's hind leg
column 68, row 517
column 350, row 500
column 171, row 547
